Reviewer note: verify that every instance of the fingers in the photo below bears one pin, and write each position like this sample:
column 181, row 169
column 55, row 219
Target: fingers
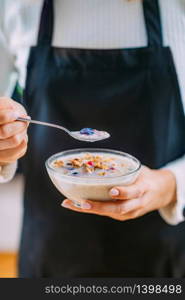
column 70, row 204
column 131, row 205
column 11, row 129
column 8, row 115
column 92, row 209
column 131, row 213
column 13, row 141
column 10, row 104
column 105, row 208
column 6, row 103
column 13, row 133
column 108, row 208
column 10, row 110
column 11, row 155
column 135, row 190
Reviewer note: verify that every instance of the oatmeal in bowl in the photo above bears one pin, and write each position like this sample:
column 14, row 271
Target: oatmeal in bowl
column 82, row 174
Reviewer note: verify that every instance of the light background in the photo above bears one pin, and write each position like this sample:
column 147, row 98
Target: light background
column 11, row 195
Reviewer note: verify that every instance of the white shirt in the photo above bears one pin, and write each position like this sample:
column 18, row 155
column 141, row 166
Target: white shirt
column 90, row 24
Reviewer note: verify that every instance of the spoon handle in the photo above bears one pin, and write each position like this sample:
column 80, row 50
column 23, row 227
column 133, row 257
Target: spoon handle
column 43, row 123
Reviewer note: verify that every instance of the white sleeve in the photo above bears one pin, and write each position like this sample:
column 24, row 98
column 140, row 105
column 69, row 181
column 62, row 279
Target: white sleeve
column 7, row 172
column 173, row 213
column 6, row 84
column 7, row 69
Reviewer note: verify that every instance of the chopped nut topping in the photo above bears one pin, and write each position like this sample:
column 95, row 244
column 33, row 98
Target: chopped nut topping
column 76, row 162
column 105, row 167
column 88, row 156
column 101, row 174
column 98, row 165
column 108, row 159
column 91, row 162
column 98, row 157
column 58, row 163
column 88, row 170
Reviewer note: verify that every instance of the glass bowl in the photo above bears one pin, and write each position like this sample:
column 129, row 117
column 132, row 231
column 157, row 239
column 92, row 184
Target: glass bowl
column 90, row 188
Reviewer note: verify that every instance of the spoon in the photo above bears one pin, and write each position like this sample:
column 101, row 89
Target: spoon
column 85, row 134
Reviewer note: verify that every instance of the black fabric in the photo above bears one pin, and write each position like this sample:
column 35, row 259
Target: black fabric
column 46, row 23
column 153, row 22
column 133, row 94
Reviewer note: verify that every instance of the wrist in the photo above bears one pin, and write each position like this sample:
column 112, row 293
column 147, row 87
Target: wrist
column 171, row 186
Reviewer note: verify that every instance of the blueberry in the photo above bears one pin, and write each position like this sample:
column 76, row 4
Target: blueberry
column 75, row 173
column 87, row 131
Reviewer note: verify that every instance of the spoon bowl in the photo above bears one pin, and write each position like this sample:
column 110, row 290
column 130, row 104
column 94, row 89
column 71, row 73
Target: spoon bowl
column 100, row 135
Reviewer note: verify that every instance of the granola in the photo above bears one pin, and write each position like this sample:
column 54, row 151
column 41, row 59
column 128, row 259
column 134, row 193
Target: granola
column 88, row 164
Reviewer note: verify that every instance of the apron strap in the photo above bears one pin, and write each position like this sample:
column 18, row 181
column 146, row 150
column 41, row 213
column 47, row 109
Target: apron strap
column 151, row 15
column 45, row 33
column 153, row 22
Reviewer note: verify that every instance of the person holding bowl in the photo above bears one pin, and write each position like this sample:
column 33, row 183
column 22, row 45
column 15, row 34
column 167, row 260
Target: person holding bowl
column 116, row 65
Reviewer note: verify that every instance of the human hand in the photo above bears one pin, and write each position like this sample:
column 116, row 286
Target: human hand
column 152, row 190
column 13, row 134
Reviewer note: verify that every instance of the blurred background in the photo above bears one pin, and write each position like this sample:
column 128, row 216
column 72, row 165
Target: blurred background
column 11, row 197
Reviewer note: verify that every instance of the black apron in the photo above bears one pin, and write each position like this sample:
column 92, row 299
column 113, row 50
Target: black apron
column 134, row 95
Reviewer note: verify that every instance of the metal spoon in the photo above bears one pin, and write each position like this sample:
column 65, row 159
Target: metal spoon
column 96, row 136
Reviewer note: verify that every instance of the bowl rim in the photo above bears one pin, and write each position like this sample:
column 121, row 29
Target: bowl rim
column 106, row 150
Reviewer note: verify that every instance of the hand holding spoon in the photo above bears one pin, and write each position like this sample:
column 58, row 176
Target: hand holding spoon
column 85, row 134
